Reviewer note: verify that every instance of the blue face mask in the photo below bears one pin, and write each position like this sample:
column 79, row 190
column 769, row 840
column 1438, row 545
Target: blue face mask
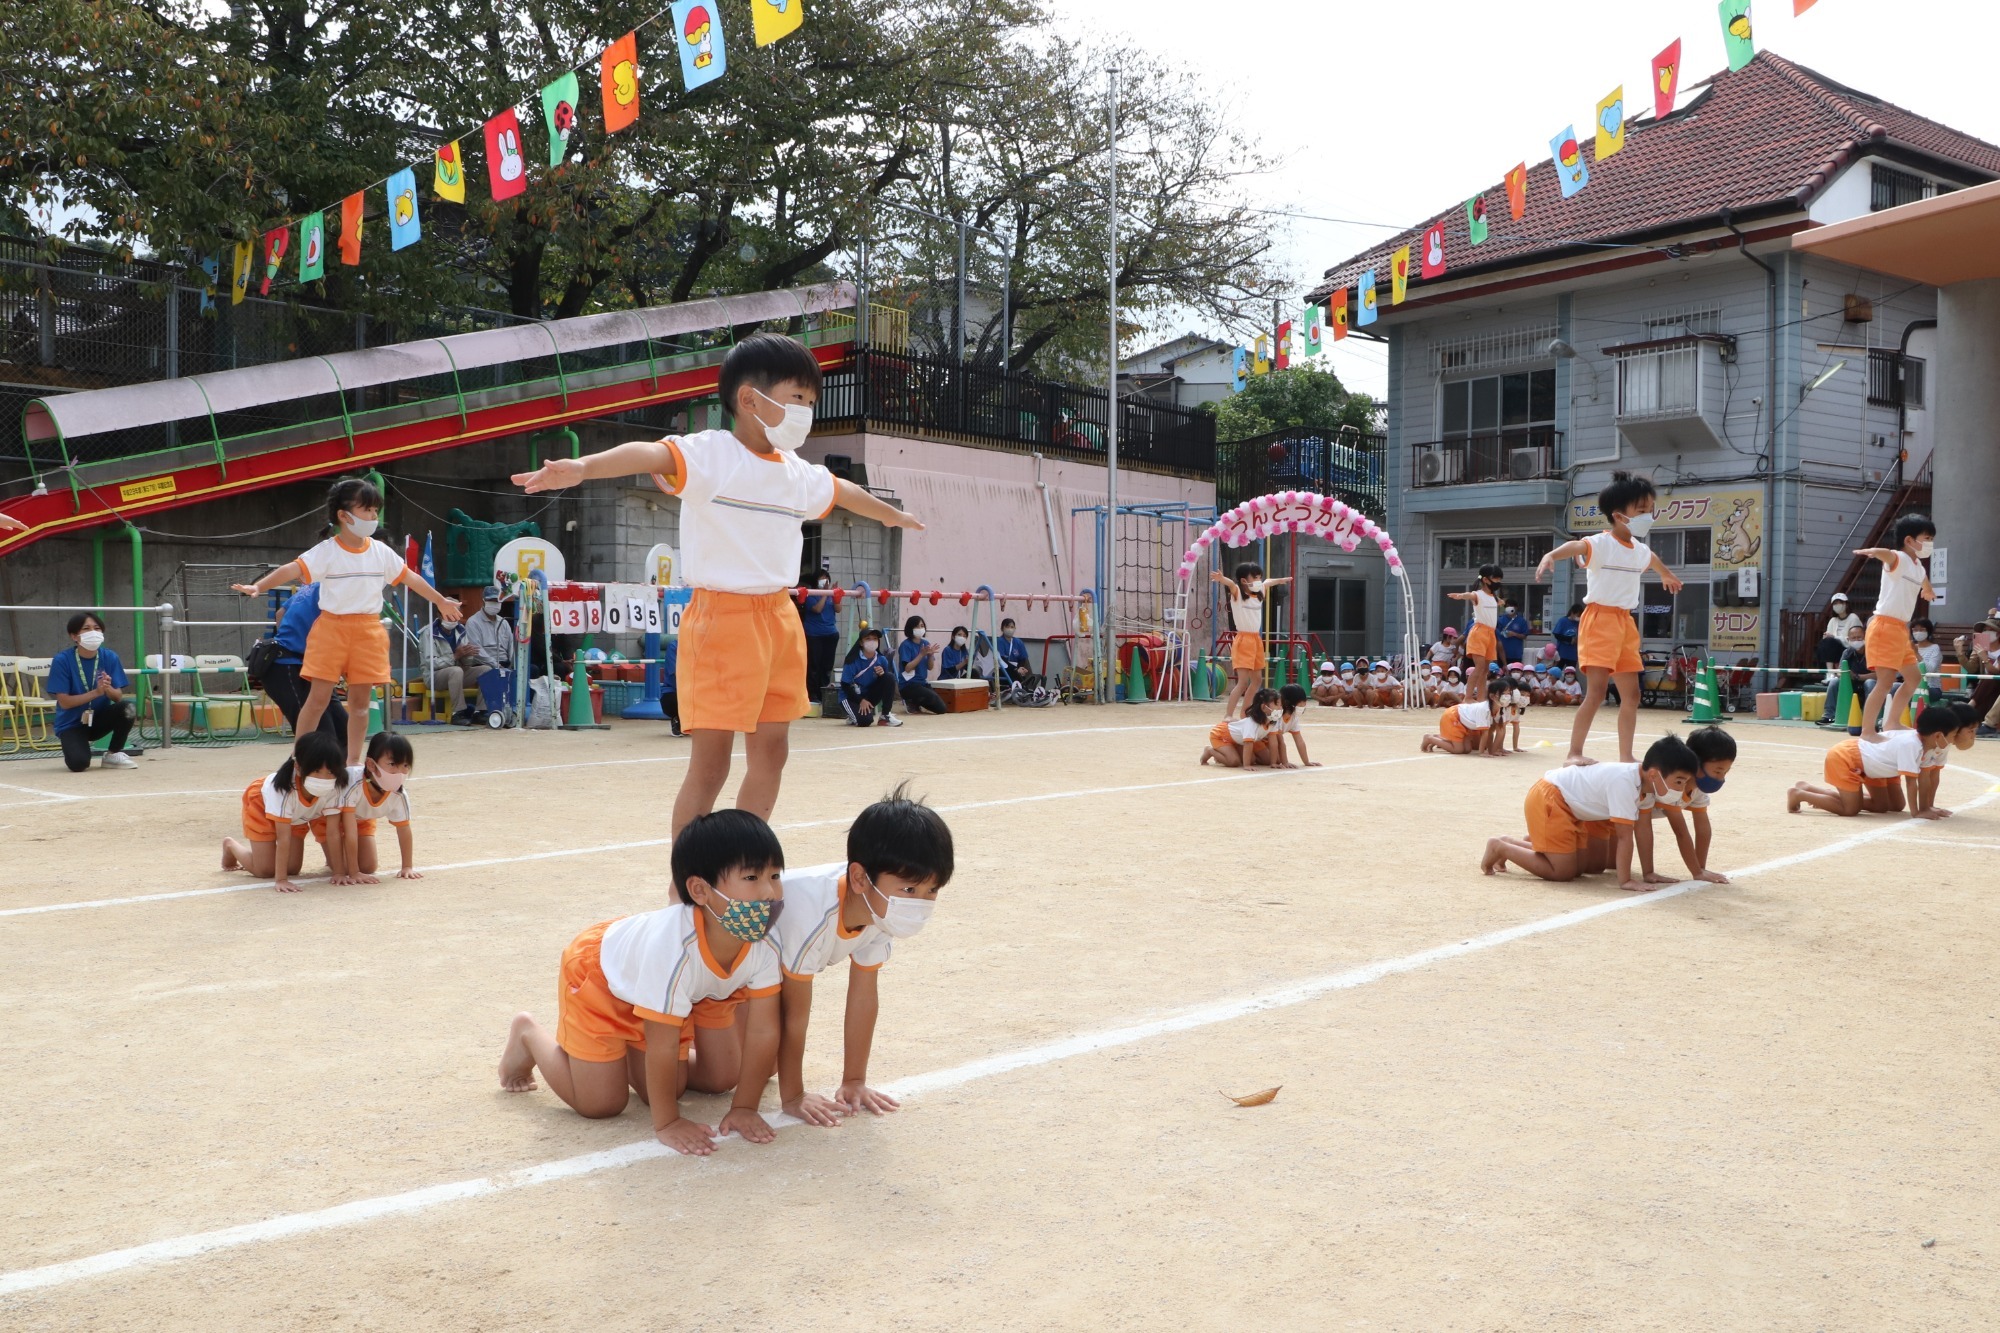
column 1708, row 784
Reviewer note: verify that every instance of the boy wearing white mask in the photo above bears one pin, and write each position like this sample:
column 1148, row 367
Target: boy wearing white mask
column 89, row 685
column 348, row 640
column 1615, row 563
column 899, row 854
column 744, row 495
column 279, row 811
column 1891, row 653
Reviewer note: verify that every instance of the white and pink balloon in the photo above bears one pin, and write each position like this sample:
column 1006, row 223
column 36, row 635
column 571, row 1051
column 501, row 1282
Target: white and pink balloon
column 1291, row 511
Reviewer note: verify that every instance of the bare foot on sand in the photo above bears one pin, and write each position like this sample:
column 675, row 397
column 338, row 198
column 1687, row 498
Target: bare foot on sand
column 517, row 1065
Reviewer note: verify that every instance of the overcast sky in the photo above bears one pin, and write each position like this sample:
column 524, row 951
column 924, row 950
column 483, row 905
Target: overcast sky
column 1388, row 111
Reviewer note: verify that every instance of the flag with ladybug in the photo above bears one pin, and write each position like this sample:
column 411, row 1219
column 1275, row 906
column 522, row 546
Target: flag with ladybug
column 1475, row 218
column 559, row 110
column 698, row 28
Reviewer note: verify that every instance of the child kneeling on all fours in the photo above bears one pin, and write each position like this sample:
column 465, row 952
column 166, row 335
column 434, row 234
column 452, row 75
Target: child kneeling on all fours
column 899, row 854
column 374, row 792
column 1233, row 741
column 1716, row 749
column 278, row 811
column 1862, row 771
column 1271, row 750
column 1580, row 817
column 1464, row 729
column 638, row 995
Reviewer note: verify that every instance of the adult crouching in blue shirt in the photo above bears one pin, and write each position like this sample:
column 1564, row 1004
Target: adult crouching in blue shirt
column 89, row 685
column 283, row 683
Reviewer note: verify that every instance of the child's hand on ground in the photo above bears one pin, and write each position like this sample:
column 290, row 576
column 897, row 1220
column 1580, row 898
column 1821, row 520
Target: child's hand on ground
column 855, row 1097
column 409, row 872
column 363, row 878
column 1711, row 877
column 1940, row 812
column 753, row 1127
column 1928, row 814
column 283, row 885
column 688, row 1137
column 1314, row 763
column 814, row 1110
column 1634, row 886
column 554, row 475
column 1653, row 877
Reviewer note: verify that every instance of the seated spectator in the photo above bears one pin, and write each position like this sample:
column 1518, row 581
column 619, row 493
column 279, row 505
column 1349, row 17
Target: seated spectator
column 868, row 683
column 1930, row 652
column 916, row 658
column 1979, row 655
column 1327, row 691
column 955, row 663
column 286, row 688
column 1856, row 658
column 1021, row 684
column 88, row 682
column 1445, row 651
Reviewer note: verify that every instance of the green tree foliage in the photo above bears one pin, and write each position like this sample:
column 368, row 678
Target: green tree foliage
column 1304, row 397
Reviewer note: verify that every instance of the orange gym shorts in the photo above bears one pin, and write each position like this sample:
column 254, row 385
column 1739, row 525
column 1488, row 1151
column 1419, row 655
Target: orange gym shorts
column 1482, row 642
column 1890, row 647
column 1608, row 637
column 1452, row 727
column 1843, row 768
column 1554, row 827
column 742, row 661
column 257, row 826
column 356, row 647
column 1246, row 652
column 1218, row 736
column 363, row 828
column 592, row 1023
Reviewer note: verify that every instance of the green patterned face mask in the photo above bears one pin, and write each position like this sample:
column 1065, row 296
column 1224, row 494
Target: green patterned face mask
column 749, row 920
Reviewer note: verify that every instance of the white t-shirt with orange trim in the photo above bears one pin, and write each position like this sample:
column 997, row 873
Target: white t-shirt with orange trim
column 1244, row 730
column 742, row 512
column 296, row 806
column 1476, row 716
column 1616, row 571
column 394, row 807
column 1897, row 754
column 1902, row 585
column 809, row 936
column 350, row 581
column 659, row 963
column 1600, row 791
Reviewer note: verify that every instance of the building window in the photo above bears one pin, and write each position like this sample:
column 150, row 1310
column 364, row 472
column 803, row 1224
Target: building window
column 1662, row 383
column 1890, row 188
column 1517, row 554
column 1680, row 618
column 1894, row 379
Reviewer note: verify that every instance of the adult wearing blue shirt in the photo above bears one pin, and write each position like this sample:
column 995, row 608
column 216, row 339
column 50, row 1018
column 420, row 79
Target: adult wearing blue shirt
column 1565, row 635
column 915, row 658
column 955, row 663
column 283, row 683
column 868, row 683
column 89, row 684
column 822, row 627
column 1014, row 662
column 1514, row 629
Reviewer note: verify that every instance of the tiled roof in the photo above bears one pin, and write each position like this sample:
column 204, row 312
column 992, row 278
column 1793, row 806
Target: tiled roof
column 1770, row 135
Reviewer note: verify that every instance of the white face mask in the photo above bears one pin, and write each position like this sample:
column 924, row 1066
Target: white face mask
column 1639, row 525
column 1253, row 585
column 919, row 633
column 1920, row 635
column 90, row 640
column 958, row 641
column 388, row 781
column 1925, row 548
column 319, row 787
column 791, row 432
column 363, row 528
column 901, row 917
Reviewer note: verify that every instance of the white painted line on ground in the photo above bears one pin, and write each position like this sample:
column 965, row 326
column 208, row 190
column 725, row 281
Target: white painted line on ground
column 569, row 1168
column 37, row 791
column 1235, row 775
column 1923, row 841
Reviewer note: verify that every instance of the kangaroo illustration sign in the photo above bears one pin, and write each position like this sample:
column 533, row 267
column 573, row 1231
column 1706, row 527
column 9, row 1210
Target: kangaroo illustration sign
column 1735, row 520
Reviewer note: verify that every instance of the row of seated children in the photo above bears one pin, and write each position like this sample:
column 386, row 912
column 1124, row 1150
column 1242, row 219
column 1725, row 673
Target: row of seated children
column 1357, row 685
column 1545, row 685
column 1258, row 738
column 1888, row 772
column 714, row 993
column 315, row 791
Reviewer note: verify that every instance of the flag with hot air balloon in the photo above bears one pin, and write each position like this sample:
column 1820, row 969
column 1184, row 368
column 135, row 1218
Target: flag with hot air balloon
column 1572, row 172
column 506, row 168
column 448, row 177
column 772, row 19
column 1338, row 304
column 1399, row 276
column 618, row 77
column 350, row 229
column 1517, row 191
column 1432, row 259
column 276, row 242
column 1736, row 39
column 1365, row 302
column 1475, row 219
column 1611, row 123
column 559, row 114
column 1666, row 80
column 698, row 28
column 404, row 226
column 312, row 247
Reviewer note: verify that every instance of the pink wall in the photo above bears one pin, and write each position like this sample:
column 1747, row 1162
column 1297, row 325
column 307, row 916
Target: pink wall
column 984, row 521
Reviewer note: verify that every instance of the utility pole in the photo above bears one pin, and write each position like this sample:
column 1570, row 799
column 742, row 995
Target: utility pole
column 1107, row 614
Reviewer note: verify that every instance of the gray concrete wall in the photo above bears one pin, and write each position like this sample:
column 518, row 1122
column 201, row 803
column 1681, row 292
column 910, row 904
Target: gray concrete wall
column 1967, row 468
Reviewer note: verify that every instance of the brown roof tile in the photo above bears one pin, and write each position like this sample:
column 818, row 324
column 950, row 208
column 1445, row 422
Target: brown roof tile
column 1768, row 136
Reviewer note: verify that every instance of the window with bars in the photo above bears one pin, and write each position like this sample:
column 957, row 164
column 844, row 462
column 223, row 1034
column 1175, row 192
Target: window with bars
column 1895, row 380
column 1890, row 188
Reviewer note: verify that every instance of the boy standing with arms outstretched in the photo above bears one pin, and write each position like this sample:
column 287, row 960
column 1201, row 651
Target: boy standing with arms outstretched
column 1891, row 652
column 744, row 495
column 1615, row 562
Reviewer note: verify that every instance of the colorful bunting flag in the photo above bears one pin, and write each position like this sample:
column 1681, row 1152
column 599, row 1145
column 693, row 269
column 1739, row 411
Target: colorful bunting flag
column 1399, row 276
column 618, row 78
column 239, row 279
column 1736, row 39
column 772, row 19
column 1367, row 314
column 404, row 226
column 1475, row 219
column 1314, row 323
column 1572, row 172
column 1239, row 368
column 1666, row 80
column 1260, row 356
column 1517, row 191
column 212, row 266
column 1433, row 256
column 506, row 168
column 275, row 244
column 350, row 229
column 1283, row 359
column 703, row 59
column 559, row 113
column 1801, row 6
column 1611, row 123
column 312, row 247
column 448, row 177
column 1339, row 304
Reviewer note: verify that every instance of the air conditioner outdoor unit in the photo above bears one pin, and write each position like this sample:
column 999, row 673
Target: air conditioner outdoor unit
column 1430, row 469
column 1524, row 464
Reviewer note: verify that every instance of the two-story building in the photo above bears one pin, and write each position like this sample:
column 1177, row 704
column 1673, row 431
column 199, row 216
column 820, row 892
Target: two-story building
column 1662, row 321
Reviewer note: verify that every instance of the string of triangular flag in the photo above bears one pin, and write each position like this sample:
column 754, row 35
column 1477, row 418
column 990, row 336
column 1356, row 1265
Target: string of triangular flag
column 1273, row 351
column 703, row 53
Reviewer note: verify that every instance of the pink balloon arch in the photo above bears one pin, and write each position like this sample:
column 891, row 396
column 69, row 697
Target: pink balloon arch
column 1292, row 511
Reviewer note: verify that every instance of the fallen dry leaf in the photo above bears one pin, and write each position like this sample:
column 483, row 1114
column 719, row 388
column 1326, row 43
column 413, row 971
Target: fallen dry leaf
column 1256, row 1098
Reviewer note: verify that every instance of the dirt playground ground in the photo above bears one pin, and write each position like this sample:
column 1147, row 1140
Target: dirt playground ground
column 1506, row 1104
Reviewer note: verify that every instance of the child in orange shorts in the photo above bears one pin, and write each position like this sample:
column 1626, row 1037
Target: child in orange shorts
column 1247, row 658
column 1891, row 652
column 374, row 792
column 744, row 495
column 1581, row 817
column 1861, row 773
column 637, row 993
column 1463, row 729
column 1615, row 563
column 348, row 640
column 1233, row 741
column 277, row 811
column 1271, row 750
column 1482, row 644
